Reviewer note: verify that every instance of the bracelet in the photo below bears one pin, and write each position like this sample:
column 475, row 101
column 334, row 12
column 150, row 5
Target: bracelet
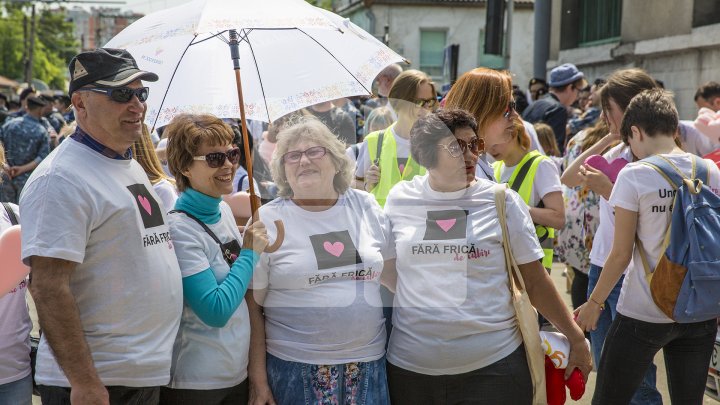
column 602, row 306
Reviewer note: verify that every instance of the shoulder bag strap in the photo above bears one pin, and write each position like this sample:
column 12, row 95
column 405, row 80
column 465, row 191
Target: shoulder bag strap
column 11, row 214
column 381, row 135
column 510, row 263
column 201, row 223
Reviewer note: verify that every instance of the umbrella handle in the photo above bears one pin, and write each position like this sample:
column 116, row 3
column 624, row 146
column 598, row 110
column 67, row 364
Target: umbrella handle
column 278, row 239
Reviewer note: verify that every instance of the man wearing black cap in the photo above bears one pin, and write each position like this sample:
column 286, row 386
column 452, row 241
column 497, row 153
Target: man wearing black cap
column 106, row 282
column 26, row 142
column 566, row 81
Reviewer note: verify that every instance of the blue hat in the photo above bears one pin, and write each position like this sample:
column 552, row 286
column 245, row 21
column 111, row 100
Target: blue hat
column 564, row 74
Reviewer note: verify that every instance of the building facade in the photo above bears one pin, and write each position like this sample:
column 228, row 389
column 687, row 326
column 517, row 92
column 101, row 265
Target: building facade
column 421, row 30
column 94, row 28
column 677, row 42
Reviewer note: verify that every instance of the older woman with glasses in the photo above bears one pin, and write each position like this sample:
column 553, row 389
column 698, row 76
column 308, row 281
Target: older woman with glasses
column 455, row 338
column 384, row 157
column 210, row 355
column 318, row 331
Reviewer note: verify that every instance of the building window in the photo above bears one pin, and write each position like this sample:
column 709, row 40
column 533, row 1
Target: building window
column 599, row 21
column 705, row 12
column 432, row 48
column 489, row 61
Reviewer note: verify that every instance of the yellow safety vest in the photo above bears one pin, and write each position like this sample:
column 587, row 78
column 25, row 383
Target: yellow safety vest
column 522, row 181
column 388, row 164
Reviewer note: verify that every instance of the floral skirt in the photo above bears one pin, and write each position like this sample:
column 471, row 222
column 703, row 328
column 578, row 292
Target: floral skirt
column 335, row 384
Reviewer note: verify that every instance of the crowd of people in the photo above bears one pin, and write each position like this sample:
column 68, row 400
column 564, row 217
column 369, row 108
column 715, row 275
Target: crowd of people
column 375, row 270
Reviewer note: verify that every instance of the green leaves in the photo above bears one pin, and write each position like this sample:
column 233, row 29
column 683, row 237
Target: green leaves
column 55, row 43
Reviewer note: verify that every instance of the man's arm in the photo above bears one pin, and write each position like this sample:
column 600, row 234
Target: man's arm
column 59, row 319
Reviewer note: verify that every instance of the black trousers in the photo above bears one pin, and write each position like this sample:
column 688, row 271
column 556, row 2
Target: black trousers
column 225, row 396
column 119, row 395
column 506, row 381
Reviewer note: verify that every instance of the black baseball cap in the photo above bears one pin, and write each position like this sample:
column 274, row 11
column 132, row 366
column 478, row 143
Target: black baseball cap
column 106, row 67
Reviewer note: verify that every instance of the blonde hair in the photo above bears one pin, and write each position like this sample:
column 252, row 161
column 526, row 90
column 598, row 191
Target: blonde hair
column 310, row 129
column 546, row 136
column 186, row 133
column 2, row 161
column 143, row 151
column 378, row 119
column 404, row 89
column 485, row 93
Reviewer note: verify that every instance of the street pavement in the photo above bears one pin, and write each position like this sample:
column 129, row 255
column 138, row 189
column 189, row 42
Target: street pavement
column 560, row 284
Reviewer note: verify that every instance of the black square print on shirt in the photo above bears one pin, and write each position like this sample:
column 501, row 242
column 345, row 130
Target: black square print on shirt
column 147, row 206
column 334, row 249
column 446, row 224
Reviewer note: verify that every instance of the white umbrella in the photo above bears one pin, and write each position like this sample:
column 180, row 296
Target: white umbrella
column 291, row 54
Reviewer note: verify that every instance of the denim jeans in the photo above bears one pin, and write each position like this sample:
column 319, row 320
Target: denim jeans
column 506, row 381
column 631, row 346
column 17, row 392
column 119, row 395
column 647, row 393
column 223, row 396
column 344, row 384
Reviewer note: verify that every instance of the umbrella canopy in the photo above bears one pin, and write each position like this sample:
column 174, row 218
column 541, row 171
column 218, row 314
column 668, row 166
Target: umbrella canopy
column 292, row 55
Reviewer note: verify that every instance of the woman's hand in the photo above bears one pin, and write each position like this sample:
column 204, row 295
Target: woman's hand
column 255, row 237
column 372, row 177
column 579, row 358
column 587, row 315
column 260, row 394
column 596, row 181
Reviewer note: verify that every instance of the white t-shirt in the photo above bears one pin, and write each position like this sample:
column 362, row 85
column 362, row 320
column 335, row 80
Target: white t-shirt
column 452, row 311
column 547, row 180
column 104, row 214
column 15, row 324
column 641, row 189
column 605, row 233
column 323, row 285
column 363, row 163
column 205, row 357
column 167, row 193
column 693, row 141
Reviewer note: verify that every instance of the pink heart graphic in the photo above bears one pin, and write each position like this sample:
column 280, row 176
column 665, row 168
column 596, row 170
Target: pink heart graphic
column 446, row 224
column 609, row 169
column 334, row 249
column 145, row 204
column 402, row 168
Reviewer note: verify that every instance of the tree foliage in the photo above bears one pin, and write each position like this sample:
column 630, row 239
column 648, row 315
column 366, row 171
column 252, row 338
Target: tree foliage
column 55, row 43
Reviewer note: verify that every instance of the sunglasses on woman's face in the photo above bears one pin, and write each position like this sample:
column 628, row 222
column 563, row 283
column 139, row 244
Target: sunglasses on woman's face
column 428, row 103
column 457, row 147
column 121, row 94
column 217, row 159
column 509, row 110
column 316, row 152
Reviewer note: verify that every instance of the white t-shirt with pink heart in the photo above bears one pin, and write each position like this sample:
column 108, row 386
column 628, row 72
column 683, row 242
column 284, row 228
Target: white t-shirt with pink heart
column 323, row 284
column 15, row 324
column 452, row 309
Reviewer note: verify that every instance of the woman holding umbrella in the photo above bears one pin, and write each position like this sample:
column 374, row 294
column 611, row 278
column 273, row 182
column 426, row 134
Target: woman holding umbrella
column 318, row 332
column 210, row 354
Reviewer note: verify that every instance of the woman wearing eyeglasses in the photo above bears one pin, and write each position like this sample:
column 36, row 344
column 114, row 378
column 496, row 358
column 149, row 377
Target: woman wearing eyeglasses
column 210, row 355
column 384, row 157
column 455, row 337
column 487, row 94
column 318, row 331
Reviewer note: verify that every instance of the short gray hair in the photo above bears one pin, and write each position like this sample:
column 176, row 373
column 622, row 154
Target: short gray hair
column 310, row 129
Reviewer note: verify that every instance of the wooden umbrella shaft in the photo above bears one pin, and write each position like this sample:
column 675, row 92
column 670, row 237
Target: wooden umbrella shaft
column 254, row 199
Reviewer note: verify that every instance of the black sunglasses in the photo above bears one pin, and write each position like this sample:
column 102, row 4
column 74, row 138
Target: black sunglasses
column 217, row 159
column 121, row 94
